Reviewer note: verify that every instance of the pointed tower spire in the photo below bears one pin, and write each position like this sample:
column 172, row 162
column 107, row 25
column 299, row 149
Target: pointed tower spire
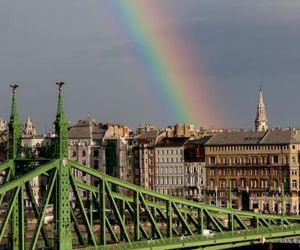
column 61, row 126
column 261, row 122
column 14, row 126
column 2, row 124
column 62, row 227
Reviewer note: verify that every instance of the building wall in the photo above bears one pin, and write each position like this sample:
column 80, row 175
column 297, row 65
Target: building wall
column 170, row 171
column 255, row 173
column 195, row 180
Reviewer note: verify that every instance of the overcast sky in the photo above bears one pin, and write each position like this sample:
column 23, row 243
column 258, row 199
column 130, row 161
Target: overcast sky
column 243, row 44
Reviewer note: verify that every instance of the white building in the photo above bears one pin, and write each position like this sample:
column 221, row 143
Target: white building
column 169, row 162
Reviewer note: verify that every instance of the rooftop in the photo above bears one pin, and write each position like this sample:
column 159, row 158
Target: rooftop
column 275, row 136
column 172, row 142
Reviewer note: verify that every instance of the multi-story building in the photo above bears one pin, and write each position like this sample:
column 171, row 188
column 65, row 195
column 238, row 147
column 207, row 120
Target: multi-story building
column 34, row 146
column 255, row 164
column 86, row 147
column 118, row 144
column 169, row 170
column 145, row 128
column 3, row 140
column 144, row 158
column 195, row 170
column 181, row 130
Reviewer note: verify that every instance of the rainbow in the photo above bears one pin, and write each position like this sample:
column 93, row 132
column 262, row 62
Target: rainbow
column 166, row 64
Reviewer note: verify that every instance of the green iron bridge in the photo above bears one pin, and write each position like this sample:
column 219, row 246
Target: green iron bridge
column 106, row 218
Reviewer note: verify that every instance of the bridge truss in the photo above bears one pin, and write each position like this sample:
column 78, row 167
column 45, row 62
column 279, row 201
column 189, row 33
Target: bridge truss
column 114, row 214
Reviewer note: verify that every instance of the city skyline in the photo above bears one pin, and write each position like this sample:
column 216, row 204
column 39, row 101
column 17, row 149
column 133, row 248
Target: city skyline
column 236, row 46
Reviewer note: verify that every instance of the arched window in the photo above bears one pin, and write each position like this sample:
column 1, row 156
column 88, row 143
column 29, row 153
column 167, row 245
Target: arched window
column 83, row 154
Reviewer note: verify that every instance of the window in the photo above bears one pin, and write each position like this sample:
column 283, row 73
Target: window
column 83, row 154
column 266, row 183
column 243, row 183
column 294, row 184
column 74, row 154
column 96, row 153
column 213, row 160
column 96, row 164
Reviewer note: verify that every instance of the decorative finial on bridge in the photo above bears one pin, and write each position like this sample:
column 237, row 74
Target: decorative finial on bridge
column 60, row 85
column 14, row 87
column 14, row 126
column 61, row 125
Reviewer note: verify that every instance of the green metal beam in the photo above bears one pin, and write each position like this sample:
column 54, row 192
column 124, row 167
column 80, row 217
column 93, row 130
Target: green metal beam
column 185, row 225
column 40, row 219
column 62, row 227
column 21, row 218
column 9, row 211
column 164, row 197
column 240, row 222
column 83, row 212
column 81, row 239
column 212, row 220
column 36, row 212
column 136, row 218
column 154, row 225
column 27, row 177
column 169, row 217
column 6, row 164
column 102, row 215
column 111, row 230
column 165, row 219
column 117, row 213
column 131, row 211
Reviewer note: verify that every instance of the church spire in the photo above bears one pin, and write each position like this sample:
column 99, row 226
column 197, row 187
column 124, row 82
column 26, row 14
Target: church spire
column 261, row 122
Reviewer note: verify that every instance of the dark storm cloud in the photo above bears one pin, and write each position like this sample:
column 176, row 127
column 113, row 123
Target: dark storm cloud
column 242, row 44
column 247, row 43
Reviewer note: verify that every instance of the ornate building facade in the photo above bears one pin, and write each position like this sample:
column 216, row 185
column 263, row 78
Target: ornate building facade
column 144, row 158
column 254, row 165
column 195, row 169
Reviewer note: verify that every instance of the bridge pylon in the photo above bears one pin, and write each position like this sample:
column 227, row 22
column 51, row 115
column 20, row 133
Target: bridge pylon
column 16, row 238
column 62, row 217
